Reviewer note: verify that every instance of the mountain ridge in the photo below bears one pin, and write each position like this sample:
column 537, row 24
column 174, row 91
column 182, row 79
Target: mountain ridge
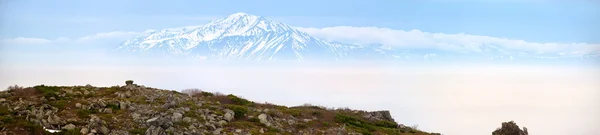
column 242, row 36
column 238, row 36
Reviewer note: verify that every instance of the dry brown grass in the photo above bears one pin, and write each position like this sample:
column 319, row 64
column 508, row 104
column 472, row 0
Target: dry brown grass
column 19, row 91
column 192, row 91
column 269, row 106
column 195, row 92
column 223, row 99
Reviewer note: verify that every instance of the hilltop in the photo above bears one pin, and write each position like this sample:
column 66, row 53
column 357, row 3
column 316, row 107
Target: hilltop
column 136, row 109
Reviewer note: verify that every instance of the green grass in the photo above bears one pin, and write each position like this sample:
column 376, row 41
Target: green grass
column 138, row 131
column 60, row 104
column 69, row 132
column 387, row 124
column 7, row 119
column 242, row 124
column 182, row 124
column 293, row 111
column 4, row 110
column 86, row 113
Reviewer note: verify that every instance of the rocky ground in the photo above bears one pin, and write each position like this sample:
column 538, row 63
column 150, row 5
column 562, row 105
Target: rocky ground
column 134, row 109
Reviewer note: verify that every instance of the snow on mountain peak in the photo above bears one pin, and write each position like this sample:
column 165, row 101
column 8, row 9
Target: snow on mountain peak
column 237, row 36
column 250, row 37
column 241, row 14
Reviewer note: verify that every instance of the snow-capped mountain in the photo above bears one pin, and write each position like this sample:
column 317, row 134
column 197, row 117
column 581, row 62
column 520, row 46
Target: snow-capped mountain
column 242, row 36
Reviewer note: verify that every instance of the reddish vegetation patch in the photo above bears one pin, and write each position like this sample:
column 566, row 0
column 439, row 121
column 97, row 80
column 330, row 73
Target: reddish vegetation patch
column 222, row 99
column 26, row 92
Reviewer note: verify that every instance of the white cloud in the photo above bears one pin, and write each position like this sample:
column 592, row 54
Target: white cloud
column 413, row 39
column 419, row 39
column 473, row 99
column 115, row 35
column 108, row 35
column 24, row 40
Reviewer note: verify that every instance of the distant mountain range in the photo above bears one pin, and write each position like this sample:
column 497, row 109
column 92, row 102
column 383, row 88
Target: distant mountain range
column 242, row 36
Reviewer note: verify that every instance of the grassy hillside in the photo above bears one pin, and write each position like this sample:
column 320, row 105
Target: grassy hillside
column 134, row 109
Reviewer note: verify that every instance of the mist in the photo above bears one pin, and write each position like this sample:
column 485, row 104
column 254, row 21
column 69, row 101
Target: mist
column 450, row 99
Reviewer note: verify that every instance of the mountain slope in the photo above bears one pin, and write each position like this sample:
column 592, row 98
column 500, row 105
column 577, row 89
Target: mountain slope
column 134, row 109
column 240, row 36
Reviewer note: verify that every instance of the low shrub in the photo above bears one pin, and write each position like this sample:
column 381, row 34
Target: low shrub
column 239, row 101
column 6, row 119
column 361, row 125
column 113, row 106
column 254, row 119
column 386, row 124
column 195, row 92
column 14, row 87
column 48, row 91
column 240, row 111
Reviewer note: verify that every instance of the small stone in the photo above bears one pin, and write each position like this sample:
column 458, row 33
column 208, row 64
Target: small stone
column 69, row 127
column 78, row 105
column 107, row 110
column 153, row 121
column 135, row 116
column 177, row 117
column 187, row 119
column 306, row 120
column 217, row 131
column 222, row 123
column 104, row 130
column 84, row 130
column 291, row 122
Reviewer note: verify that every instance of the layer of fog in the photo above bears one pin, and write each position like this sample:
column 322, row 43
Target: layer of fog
column 453, row 100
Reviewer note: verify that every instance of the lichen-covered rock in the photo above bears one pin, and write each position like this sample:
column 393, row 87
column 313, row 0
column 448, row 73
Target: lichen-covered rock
column 229, row 114
column 69, row 127
column 264, row 119
column 177, row 117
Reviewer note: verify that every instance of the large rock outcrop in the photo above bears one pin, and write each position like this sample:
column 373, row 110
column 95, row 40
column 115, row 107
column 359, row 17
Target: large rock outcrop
column 510, row 128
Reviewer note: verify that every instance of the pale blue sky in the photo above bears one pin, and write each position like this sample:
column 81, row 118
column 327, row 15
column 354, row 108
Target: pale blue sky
column 533, row 21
